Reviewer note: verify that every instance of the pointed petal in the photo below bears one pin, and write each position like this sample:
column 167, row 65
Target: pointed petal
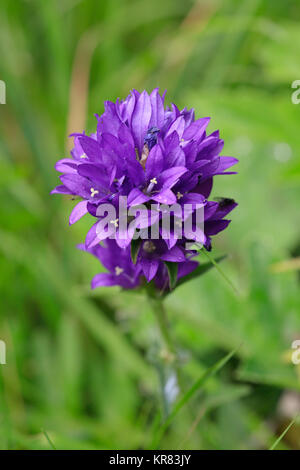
column 92, row 237
column 178, row 126
column 66, row 165
column 212, row 227
column 149, row 267
column 204, row 187
column 170, row 236
column 140, row 119
column 226, row 162
column 192, row 202
column 166, row 196
column 94, row 173
column 136, row 197
column 145, row 218
column 154, row 162
column 77, row 185
column 61, row 189
column 90, row 147
column 104, row 279
column 78, row 211
column 169, row 177
column 175, row 254
column 98, row 232
column 210, row 147
column 196, row 130
column 186, row 268
column 123, row 237
column 225, row 206
column 210, row 209
column 157, row 106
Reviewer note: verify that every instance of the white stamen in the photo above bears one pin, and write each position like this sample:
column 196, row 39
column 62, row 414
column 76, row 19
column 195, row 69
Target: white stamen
column 94, row 192
column 115, row 222
column 83, row 155
column 179, row 195
column 151, row 185
column 118, row 270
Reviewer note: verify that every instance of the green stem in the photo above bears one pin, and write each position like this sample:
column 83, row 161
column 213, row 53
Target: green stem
column 170, row 348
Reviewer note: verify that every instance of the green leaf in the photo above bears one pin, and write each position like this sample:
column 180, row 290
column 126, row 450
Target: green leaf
column 173, row 272
column 189, row 394
column 134, row 249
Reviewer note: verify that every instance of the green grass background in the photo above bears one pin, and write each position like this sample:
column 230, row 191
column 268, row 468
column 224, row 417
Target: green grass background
column 81, row 364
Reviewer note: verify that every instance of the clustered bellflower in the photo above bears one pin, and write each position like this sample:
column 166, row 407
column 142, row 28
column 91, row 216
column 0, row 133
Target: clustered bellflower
column 151, row 154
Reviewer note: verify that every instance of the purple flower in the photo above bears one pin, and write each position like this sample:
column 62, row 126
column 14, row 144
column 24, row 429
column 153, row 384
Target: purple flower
column 150, row 264
column 150, row 154
column 121, row 270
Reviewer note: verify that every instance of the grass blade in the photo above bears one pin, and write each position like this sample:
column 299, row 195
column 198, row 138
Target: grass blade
column 225, row 277
column 284, row 433
column 48, row 439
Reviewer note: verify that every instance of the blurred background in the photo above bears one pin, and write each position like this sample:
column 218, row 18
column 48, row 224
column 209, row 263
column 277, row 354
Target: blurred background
column 81, row 365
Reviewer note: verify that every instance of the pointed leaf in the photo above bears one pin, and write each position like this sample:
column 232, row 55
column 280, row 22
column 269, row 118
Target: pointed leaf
column 134, row 249
column 172, row 271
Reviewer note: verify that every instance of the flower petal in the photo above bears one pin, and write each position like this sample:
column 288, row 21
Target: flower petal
column 154, row 162
column 61, row 189
column 178, row 126
column 169, row 177
column 212, row 227
column 77, row 185
column 66, row 165
column 149, row 267
column 166, row 196
column 90, row 147
column 157, row 106
column 196, row 130
column 78, row 211
column 94, row 173
column 140, row 119
column 175, row 254
column 226, row 162
column 104, row 279
column 136, row 197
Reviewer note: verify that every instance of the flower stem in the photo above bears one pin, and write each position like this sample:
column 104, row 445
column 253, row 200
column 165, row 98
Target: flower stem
column 170, row 355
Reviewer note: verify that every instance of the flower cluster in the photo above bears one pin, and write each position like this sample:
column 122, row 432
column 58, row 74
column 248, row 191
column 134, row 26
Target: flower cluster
column 153, row 156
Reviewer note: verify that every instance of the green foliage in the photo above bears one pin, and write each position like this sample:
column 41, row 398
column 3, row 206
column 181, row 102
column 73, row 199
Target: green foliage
column 135, row 247
column 172, row 272
column 80, row 362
